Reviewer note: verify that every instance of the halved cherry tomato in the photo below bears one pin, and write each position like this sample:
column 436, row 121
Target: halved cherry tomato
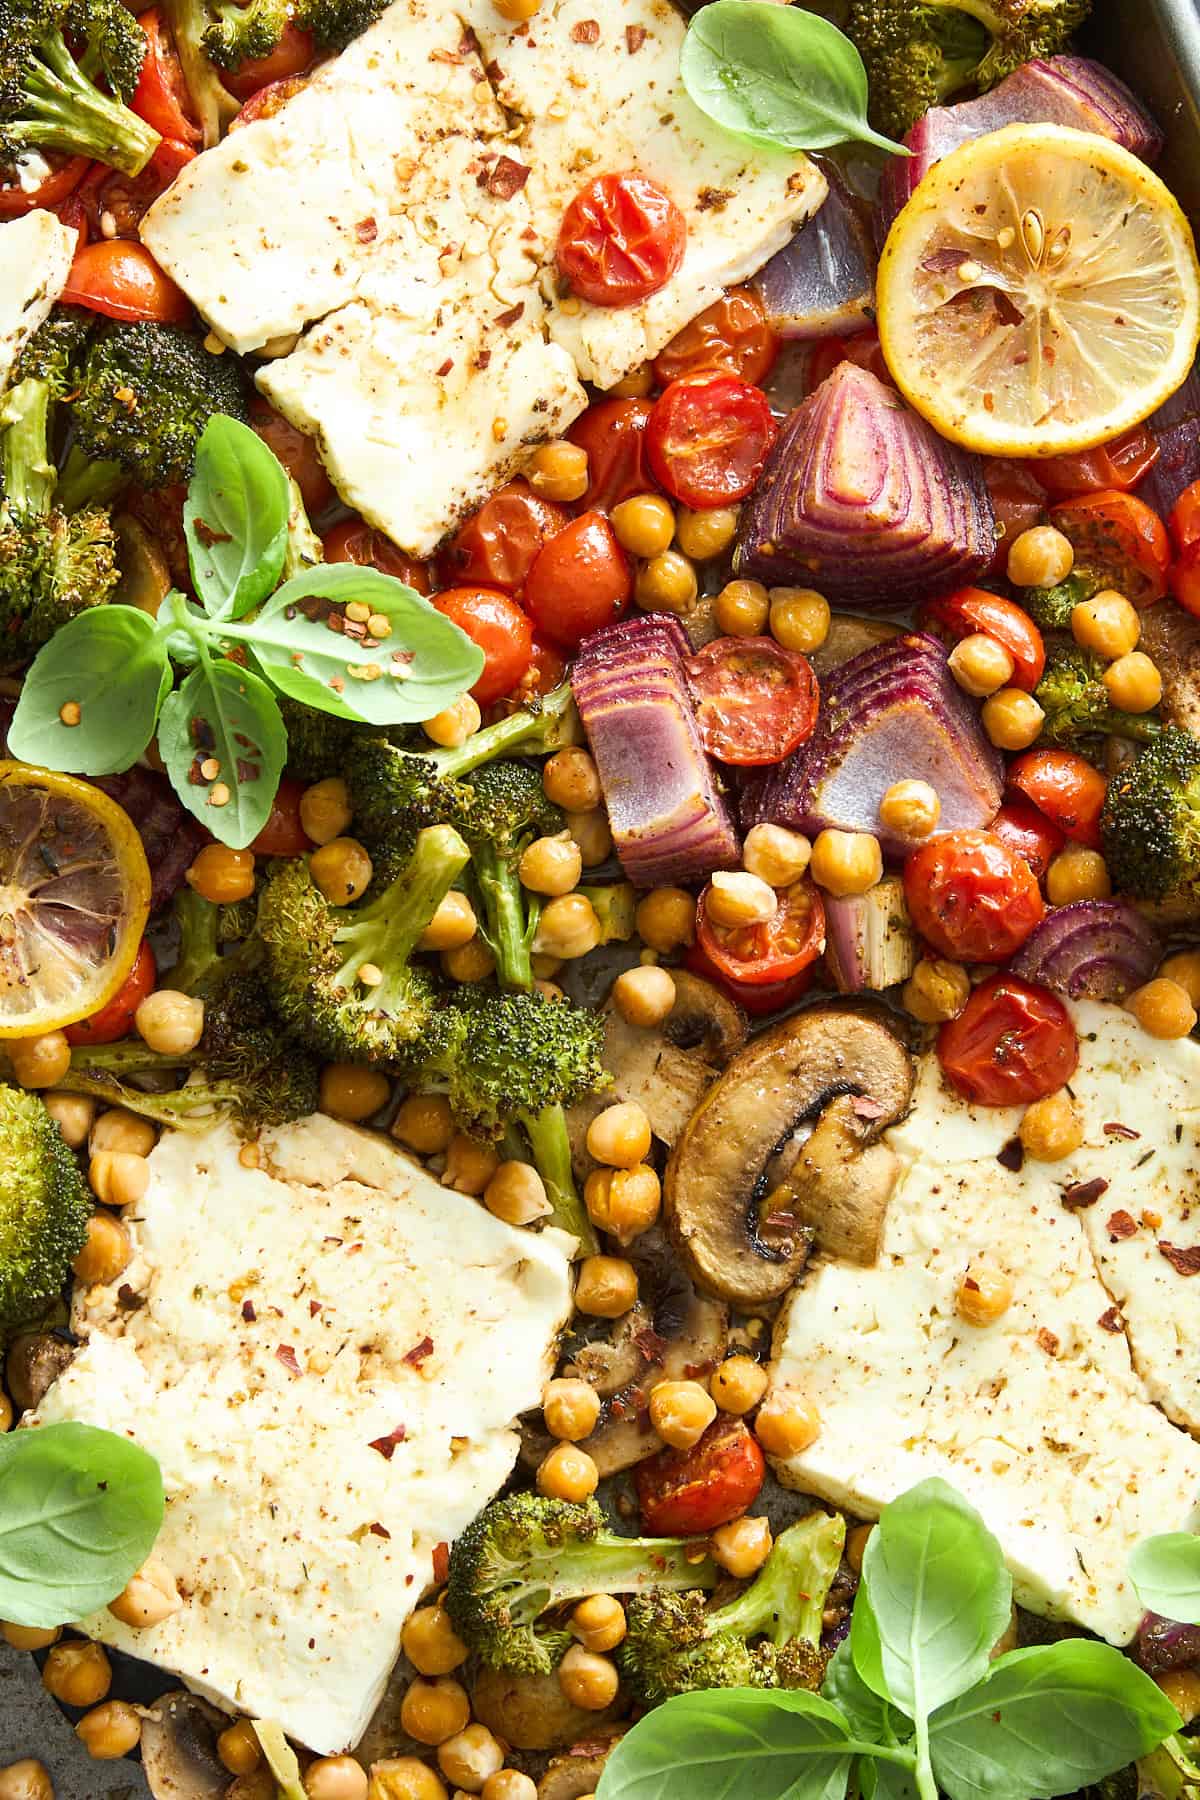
column 972, row 609
column 127, row 198
column 708, row 439
column 297, row 452
column 497, row 547
column 1185, row 579
column 267, row 101
column 580, row 580
column 730, row 337
column 123, row 281
column 354, row 541
column 1066, row 788
column 613, row 432
column 764, row 955
column 59, row 183
column 862, row 349
column 547, row 666
column 621, row 240
column 1011, row 1044
column 971, row 896
column 1030, row 833
column 1185, row 518
column 161, row 96
column 773, row 997
column 1121, row 538
column 1018, row 501
column 685, row 1493
column 292, row 55
column 116, row 1019
column 283, row 834
column 754, row 700
column 1120, row 464
column 501, row 630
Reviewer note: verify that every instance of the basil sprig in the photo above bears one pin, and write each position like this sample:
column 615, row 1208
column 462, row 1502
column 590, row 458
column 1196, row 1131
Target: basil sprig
column 912, row 1707
column 1166, row 1573
column 95, row 695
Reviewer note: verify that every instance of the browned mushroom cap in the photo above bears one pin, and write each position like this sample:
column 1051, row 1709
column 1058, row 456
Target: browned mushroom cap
column 532, row 1712
column 33, row 1365
column 179, row 1749
column 784, row 1149
column 578, row 1770
column 848, row 634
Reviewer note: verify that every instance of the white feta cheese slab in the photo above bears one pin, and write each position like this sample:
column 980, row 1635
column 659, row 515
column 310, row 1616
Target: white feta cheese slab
column 326, row 1354
column 36, row 253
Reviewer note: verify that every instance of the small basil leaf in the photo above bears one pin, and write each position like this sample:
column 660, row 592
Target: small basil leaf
column 765, row 1744
column 781, row 77
column 110, row 663
column 79, row 1512
column 1166, row 1573
column 865, row 1649
column 225, row 713
column 868, row 1714
column 1046, row 1721
column 235, row 518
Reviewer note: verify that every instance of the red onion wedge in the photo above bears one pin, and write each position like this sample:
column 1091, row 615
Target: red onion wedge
column 822, row 284
column 1176, row 425
column 669, row 820
column 1090, row 950
column 863, row 500
column 870, row 943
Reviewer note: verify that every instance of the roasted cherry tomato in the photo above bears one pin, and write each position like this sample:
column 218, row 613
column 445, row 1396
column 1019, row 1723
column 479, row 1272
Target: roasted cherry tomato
column 708, row 439
column 547, row 666
column 754, row 700
column 971, row 609
column 686, row 1493
column 1030, row 833
column 127, row 198
column 1066, row 788
column 354, row 541
column 1184, row 522
column 58, row 185
column 283, row 834
column 1011, row 1044
column 1018, row 501
column 613, row 432
column 292, row 56
column 764, row 955
column 1121, row 538
column 1185, row 579
column 760, row 1001
column 501, row 630
column 497, row 547
column 123, row 281
column 267, row 101
column 116, row 1019
column 621, row 240
column 580, row 581
column 863, row 349
column 1119, row 464
column 296, row 452
column 161, row 96
column 730, row 337
column 971, row 896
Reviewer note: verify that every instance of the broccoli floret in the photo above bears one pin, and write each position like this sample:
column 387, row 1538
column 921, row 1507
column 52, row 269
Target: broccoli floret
column 56, row 351
column 525, row 1555
column 48, row 97
column 1051, row 608
column 1075, row 701
column 241, row 34
column 675, row 1644
column 1172, row 1772
column 1151, row 820
column 212, row 103
column 506, row 809
column 920, row 53
column 145, row 394
column 44, row 1206
column 334, row 23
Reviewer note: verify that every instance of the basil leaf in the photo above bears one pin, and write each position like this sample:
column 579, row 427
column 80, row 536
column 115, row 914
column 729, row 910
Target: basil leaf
column 866, row 1650
column 225, row 713
column 110, row 663
column 79, row 1512
column 783, row 78
column 939, row 1593
column 1048, row 1720
column 426, row 661
column 1166, row 1573
column 235, row 518
column 867, row 1712
column 765, row 1744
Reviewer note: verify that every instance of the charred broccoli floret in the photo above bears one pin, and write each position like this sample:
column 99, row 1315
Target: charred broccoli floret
column 334, row 23
column 1151, row 820
column 1075, row 701
column 44, row 1206
column 212, row 103
column 49, row 99
column 1051, row 608
column 526, row 1555
column 55, row 353
column 506, row 810
column 240, row 34
column 145, row 394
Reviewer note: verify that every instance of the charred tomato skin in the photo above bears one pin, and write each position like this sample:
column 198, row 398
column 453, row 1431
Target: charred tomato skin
column 972, row 897
column 1013, row 1043
column 690, row 1492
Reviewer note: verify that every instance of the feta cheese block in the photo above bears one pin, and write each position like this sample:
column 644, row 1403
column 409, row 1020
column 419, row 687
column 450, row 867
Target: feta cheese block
column 36, row 252
column 1047, row 1419
column 326, row 1353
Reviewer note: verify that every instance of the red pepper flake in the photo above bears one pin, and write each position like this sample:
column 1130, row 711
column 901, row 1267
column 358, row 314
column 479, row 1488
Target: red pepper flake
column 1121, row 1225
column 446, row 367
column 248, row 1312
column 1112, row 1320
column 208, row 535
column 1121, row 1131
column 652, row 1347
column 586, row 32
column 386, row 1446
column 332, row 1240
column 287, row 1356
column 441, row 1561
column 353, row 1249
column 1048, row 1341
column 635, row 37
column 366, row 231
column 1183, row 1261
column 419, row 1353
column 1012, row 1155
column 380, row 1530
column 510, row 317
column 483, row 359
column 507, row 178
column 1084, row 1193
column 314, row 1307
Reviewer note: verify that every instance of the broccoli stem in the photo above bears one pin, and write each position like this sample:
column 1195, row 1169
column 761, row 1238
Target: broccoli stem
column 72, row 114
column 82, row 483
column 551, row 1146
column 27, row 471
column 214, row 105
column 510, row 920
column 548, row 728
column 787, row 1599
column 199, row 947
column 608, row 1565
column 387, row 930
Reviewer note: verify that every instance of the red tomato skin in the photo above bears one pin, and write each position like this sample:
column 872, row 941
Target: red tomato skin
column 1013, row 1043
column 622, row 238
column 57, row 187
column 754, row 701
column 292, row 56
column 730, row 337
column 1118, row 465
column 1066, row 788
column 758, row 1001
column 266, row 101
column 160, row 96
column 115, row 1020
column 684, row 1493
column 499, row 545
column 1029, row 833
column 547, row 666
column 708, row 439
column 296, row 452
column 613, row 432
column 1018, row 500
column 283, row 834
column 1184, row 523
column 773, row 963
column 972, row 609
column 1120, row 533
column 354, row 541
column 501, row 630
column 863, row 349
column 579, row 581
column 972, row 897
column 123, row 281
column 1185, row 579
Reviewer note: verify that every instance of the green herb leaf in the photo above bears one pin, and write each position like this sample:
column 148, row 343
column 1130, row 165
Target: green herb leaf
column 1048, row 1720
column 781, row 77
column 110, row 663
column 228, row 714
column 1166, row 1573
column 743, row 1743
column 79, row 1512
column 868, row 1714
column 235, row 518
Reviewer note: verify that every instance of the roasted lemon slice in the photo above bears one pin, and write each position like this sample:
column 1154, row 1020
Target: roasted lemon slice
column 1039, row 293
column 74, row 899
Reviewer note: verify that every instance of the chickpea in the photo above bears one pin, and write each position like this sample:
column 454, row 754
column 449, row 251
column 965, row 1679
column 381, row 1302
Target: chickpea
column 1051, row 1128
column 472, row 962
column 742, row 1546
column 743, row 609
column 423, row 1123
column 30, row 1637
column 452, row 926
column 570, row 1408
column 509, row 1784
column 856, row 1546
column 799, row 618
column 666, row 919
column 110, row 1731
column 667, row 583
column 1184, row 968
column 623, row 1202
column 221, row 875
column 620, row 1135
column 406, row 1777
column 6, row 1413
column 1012, row 719
column 516, row 12
column 77, row 1672
column 681, row 1412
column 435, row 1709
column 117, row 1178
column 588, row 1680
column 738, row 1384
column 644, row 524
column 325, row 810
column 1182, row 1689
column 1077, row 873
column 170, row 1023
column 38, row 1062
column 846, row 862
column 1134, row 683
column 568, row 928
column 606, row 1287
column 599, row 1622
column 786, row 1425
column 1162, row 1008
column 26, row 1780
column 239, row 1749
column 590, row 831
column 707, row 534
column 984, row 1294
column 980, row 665
column 106, row 1252
column 469, row 1166
column 517, row 1194
column 644, row 996
column 567, row 1473
column 350, row 1091
column 776, row 855
column 911, row 808
column 640, row 381
column 430, row 1642
column 335, row 1778
column 73, row 1114
column 1107, row 624
column 936, row 990
column 738, row 898
column 551, row 865
column 558, row 471
column 342, row 870
column 469, row 1757
column 1040, row 557
column 571, row 780
column 123, row 1132
column 455, row 723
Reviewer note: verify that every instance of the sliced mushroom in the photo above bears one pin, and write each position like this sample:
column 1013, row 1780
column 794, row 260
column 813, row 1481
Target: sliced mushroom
column 848, row 634
column 145, row 576
column 1171, row 637
column 577, row 1772
column 33, row 1365
column 783, row 1149
column 179, row 1749
column 532, row 1712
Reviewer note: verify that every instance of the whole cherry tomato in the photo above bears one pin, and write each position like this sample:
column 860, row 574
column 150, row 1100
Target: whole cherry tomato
column 297, row 452
column 708, row 439
column 497, row 547
column 1184, row 522
column 1030, row 833
column 283, row 834
column 1120, row 464
column 63, row 179
column 501, row 630
column 622, row 238
column 161, row 96
column 1018, row 501
column 764, row 955
column 116, row 1019
column 1120, row 538
column 971, row 609
column 354, row 541
column 267, row 101
column 1185, row 579
column 127, row 198
column 292, row 56
column 1011, row 1044
column 730, row 337
column 580, row 581
column 754, row 701
column 1066, row 788
column 759, row 1002
column 971, row 896
column 613, row 432
column 685, row 1493
column 123, row 281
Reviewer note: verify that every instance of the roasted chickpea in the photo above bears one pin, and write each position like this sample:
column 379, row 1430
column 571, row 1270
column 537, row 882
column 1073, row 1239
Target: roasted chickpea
column 558, row 471
column 1012, row 719
column 620, row 1135
column 571, row 780
column 708, row 534
column 1184, row 968
column 170, row 1023
column 147, row 1598
column 38, row 1062
column 551, row 865
column 239, row 1749
column 405, row 1777
column 644, row 524
column 787, row 1424
column 606, row 1287
column 469, row 1165
column 430, row 1642
column 516, row 12
column 335, row 1778
column 350, row 1091
column 6, row 1413
column 681, row 1412
column 1134, row 683
column 423, row 1123
column 1162, row 1008
column 222, row 875
column 666, row 919
column 588, row 1680
column 1182, row 1689
column 1051, row 1128
column 26, row 1780
column 568, row 928
column 980, row 665
column 644, row 996
column 1040, row 557
column 517, row 1194
column 738, row 1384
column 736, row 898
column 469, row 1757
column 122, row 1131
column 452, row 926
column 856, row 1546
column 77, row 1672
column 591, row 832
column 567, row 1473
column 472, row 962
column 570, row 1408
column 846, row 862
column 1077, row 873
column 118, row 1178
column 110, row 1731
column 742, row 1547
column 30, row 1637
column 936, row 990
column 73, row 1114
column 776, row 855
column 623, row 1202
column 342, row 870
column 1107, row 624
column 984, row 1294
column 106, row 1252
column 455, row 723
column 598, row 1622
column 325, row 810
column 743, row 609
column 667, row 583
column 509, row 1784
column 799, row 618
column 433, row 1710
column 911, row 808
